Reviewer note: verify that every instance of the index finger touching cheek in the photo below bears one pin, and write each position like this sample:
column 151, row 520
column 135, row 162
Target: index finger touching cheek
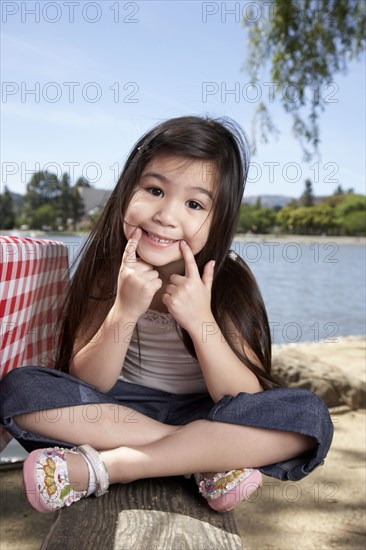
column 129, row 254
column 191, row 268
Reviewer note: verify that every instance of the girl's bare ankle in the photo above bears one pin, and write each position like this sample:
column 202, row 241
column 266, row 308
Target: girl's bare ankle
column 78, row 472
column 117, row 472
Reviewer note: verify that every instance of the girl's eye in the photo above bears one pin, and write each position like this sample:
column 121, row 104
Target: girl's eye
column 155, row 191
column 194, row 205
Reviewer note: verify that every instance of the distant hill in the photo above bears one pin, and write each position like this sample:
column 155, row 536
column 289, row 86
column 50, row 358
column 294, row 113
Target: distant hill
column 269, row 201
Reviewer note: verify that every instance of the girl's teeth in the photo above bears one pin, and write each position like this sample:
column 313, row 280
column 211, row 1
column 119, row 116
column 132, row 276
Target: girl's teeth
column 163, row 241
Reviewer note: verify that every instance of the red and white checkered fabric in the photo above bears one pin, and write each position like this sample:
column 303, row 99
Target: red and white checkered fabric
column 33, row 282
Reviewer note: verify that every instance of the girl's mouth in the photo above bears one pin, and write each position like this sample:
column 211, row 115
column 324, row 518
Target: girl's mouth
column 158, row 240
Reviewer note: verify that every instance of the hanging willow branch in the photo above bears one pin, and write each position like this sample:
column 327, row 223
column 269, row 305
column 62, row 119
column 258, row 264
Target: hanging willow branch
column 306, row 42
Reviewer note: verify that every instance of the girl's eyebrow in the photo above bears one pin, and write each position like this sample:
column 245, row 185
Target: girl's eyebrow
column 164, row 179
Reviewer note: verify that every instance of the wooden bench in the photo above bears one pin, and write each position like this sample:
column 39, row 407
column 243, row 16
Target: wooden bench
column 151, row 514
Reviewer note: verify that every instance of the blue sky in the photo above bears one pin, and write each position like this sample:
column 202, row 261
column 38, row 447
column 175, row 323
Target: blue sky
column 105, row 72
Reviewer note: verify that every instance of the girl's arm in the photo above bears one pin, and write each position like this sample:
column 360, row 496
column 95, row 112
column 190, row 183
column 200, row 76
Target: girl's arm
column 223, row 371
column 188, row 299
column 100, row 361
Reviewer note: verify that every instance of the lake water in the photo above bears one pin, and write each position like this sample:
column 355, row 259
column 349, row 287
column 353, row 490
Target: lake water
column 312, row 291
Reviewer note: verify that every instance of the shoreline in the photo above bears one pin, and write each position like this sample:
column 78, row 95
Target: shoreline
column 341, row 339
column 304, row 239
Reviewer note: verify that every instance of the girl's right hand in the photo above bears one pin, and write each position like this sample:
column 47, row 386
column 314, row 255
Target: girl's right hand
column 137, row 281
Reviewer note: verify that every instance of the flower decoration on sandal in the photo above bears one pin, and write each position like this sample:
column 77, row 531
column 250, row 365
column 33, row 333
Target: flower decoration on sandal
column 226, row 489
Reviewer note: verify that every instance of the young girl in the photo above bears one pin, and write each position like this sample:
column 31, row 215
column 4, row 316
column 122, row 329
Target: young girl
column 163, row 366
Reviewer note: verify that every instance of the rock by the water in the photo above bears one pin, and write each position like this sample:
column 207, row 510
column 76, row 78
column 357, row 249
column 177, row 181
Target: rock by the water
column 300, row 369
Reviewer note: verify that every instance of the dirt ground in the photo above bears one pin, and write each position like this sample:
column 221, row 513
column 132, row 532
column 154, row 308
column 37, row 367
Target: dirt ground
column 324, row 510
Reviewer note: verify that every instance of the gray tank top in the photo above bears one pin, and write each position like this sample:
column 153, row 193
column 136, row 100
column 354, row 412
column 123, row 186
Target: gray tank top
column 165, row 363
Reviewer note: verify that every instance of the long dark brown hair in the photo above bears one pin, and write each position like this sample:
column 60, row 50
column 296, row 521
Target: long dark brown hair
column 236, row 300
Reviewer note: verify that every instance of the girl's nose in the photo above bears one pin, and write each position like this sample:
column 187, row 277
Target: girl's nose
column 166, row 214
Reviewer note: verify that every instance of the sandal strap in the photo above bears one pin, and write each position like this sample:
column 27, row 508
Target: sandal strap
column 100, row 470
column 221, row 483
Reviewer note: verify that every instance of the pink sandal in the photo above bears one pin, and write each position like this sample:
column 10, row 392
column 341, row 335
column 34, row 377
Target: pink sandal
column 46, row 479
column 225, row 490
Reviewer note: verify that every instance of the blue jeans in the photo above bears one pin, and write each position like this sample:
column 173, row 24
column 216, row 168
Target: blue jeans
column 30, row 389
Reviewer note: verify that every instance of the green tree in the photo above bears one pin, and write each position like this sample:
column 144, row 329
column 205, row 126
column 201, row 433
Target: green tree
column 284, row 218
column 340, row 214
column 305, row 220
column 246, row 220
column 324, row 220
column 43, row 189
column 70, row 205
column 264, row 219
column 307, row 198
column 7, row 212
column 339, row 190
column 351, row 214
column 351, row 203
column 77, row 207
column 293, row 203
column 44, row 217
column 306, row 43
column 256, row 219
column 66, row 204
column 63, row 205
column 354, row 224
column 82, row 182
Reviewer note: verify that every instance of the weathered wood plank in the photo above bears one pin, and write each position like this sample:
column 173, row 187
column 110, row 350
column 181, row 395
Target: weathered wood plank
column 150, row 514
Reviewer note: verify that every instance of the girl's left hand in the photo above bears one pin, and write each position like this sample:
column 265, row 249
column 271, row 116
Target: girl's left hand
column 188, row 297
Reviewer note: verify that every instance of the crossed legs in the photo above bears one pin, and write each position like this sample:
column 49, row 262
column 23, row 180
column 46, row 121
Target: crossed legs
column 134, row 446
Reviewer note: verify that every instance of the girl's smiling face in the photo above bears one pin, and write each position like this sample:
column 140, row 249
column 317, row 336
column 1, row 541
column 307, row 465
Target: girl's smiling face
column 172, row 201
